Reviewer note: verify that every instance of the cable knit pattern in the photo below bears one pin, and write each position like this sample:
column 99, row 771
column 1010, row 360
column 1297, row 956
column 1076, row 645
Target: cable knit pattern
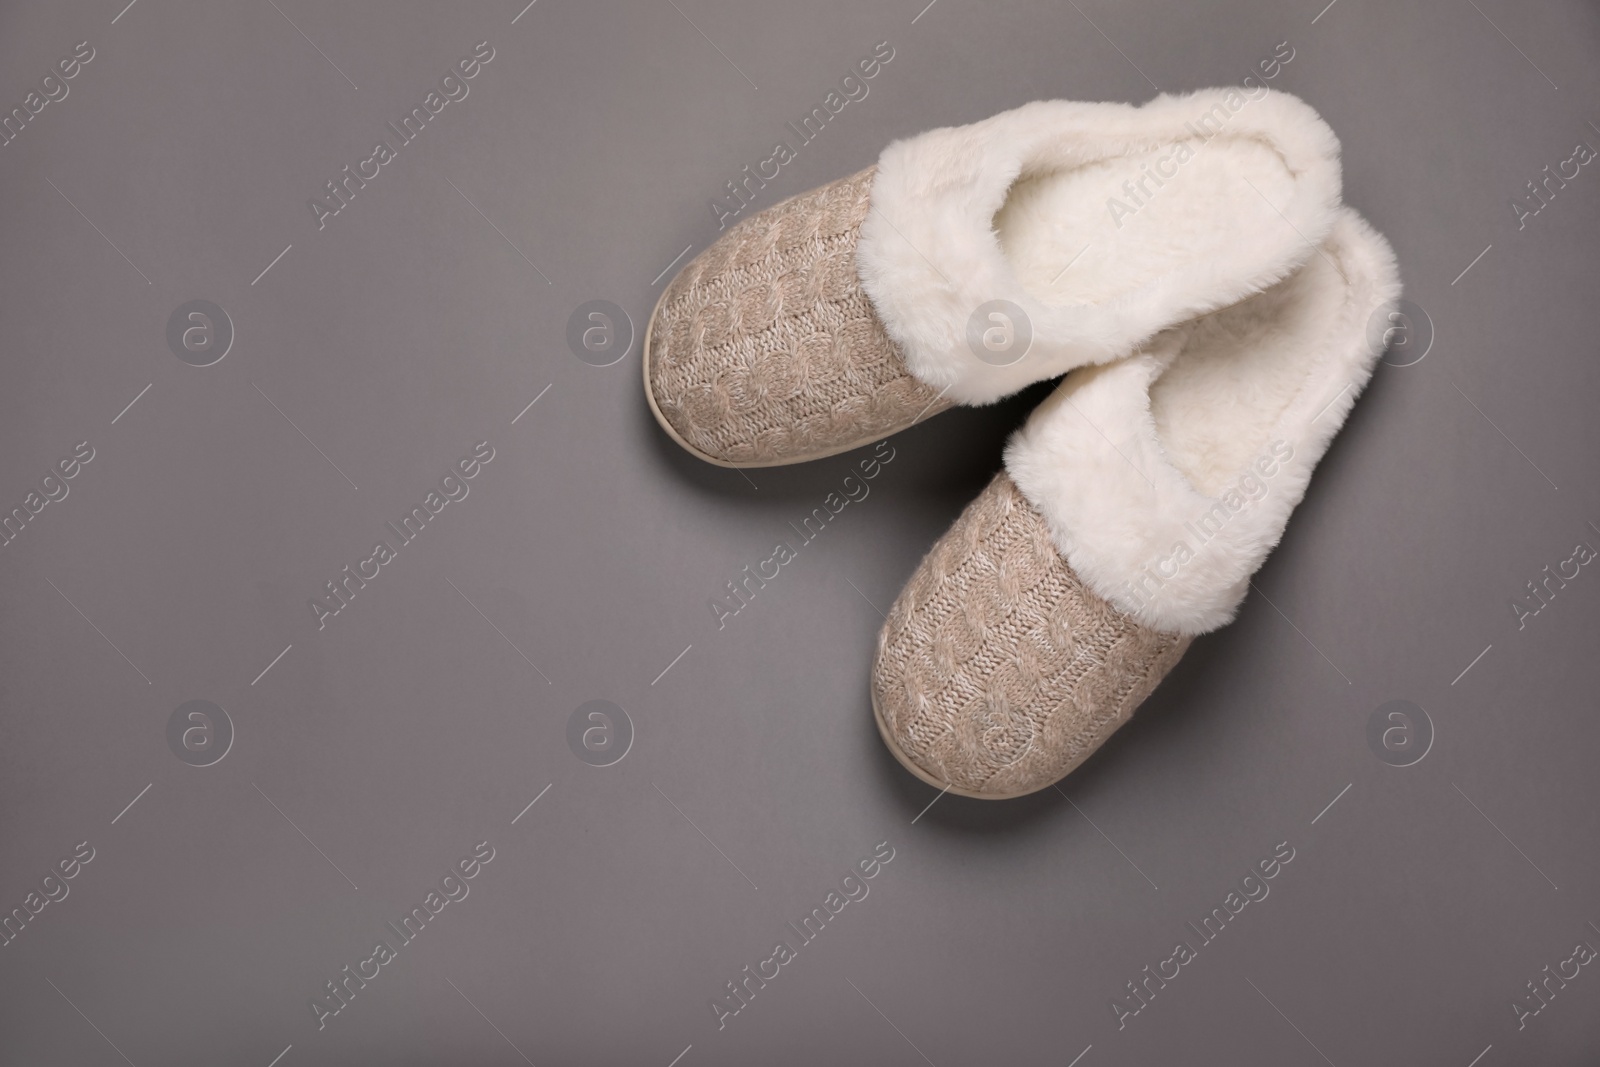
column 998, row 671
column 764, row 349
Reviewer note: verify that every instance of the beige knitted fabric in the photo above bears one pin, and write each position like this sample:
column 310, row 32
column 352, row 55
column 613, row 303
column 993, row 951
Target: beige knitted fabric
column 998, row 671
column 764, row 349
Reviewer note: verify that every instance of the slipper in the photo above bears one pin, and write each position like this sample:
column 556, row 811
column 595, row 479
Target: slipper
column 972, row 261
column 1136, row 503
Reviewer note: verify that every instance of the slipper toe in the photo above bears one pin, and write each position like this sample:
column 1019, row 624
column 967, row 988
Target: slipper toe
column 765, row 349
column 998, row 671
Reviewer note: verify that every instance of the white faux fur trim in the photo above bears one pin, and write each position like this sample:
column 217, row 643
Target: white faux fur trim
column 929, row 255
column 1106, row 476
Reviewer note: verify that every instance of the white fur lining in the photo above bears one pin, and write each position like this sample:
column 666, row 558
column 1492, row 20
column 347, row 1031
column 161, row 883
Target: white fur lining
column 1166, row 478
column 965, row 215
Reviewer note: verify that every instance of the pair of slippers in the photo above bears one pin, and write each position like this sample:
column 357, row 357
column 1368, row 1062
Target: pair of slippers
column 1187, row 265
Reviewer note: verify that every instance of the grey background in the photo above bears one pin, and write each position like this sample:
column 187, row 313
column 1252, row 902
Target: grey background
column 409, row 729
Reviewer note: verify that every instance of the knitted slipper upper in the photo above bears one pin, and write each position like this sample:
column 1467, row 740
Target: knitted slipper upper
column 764, row 348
